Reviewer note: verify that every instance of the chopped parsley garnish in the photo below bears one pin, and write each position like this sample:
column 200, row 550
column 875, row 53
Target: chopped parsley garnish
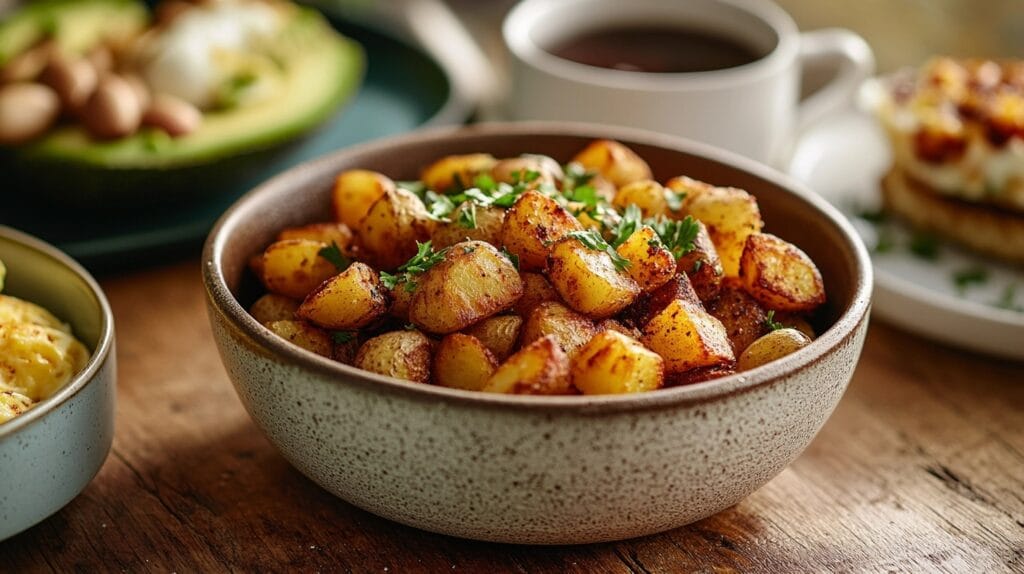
column 925, row 246
column 524, row 176
column 424, row 259
column 678, row 236
column 438, row 206
column 511, row 257
column 333, row 254
column 884, row 242
column 417, row 187
column 593, row 240
column 410, row 327
column 485, row 182
column 576, row 176
column 468, row 249
column 873, row 215
column 342, row 337
column 674, row 199
column 584, row 194
column 1008, row 299
column 467, row 215
column 771, row 324
column 964, row 278
column 632, row 219
column 697, row 265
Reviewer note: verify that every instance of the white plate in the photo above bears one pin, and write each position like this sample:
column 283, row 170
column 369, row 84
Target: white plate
column 843, row 159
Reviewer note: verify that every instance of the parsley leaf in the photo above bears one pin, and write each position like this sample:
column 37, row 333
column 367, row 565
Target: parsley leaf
column 1007, row 299
column 584, row 194
column 925, row 246
column 511, row 257
column 674, row 199
column 593, row 240
column 467, row 215
column 485, row 182
column 439, row 206
column 771, row 324
column 424, row 259
column 390, row 281
column 678, row 236
column 333, row 254
column 523, row 176
column 417, row 187
column 576, row 175
column 964, row 278
column 632, row 219
column 342, row 337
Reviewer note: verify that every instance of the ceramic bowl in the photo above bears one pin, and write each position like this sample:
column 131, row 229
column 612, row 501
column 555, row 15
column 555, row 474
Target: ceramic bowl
column 536, row 470
column 49, row 454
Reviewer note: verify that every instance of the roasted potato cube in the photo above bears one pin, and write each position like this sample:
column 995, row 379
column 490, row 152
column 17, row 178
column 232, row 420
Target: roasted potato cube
column 540, row 368
column 774, row 345
column 499, row 334
column 650, row 304
column 392, row 226
column 651, row 265
column 740, row 314
column 488, row 224
column 588, row 281
column 780, row 275
column 463, row 362
column 400, row 354
column 688, row 189
column 515, row 169
column 646, row 194
column 687, row 337
column 612, row 363
column 473, row 282
column 614, row 161
column 273, row 307
column 570, row 329
column 401, row 299
column 329, row 233
column 462, row 169
column 731, row 215
column 309, row 337
column 531, row 225
column 355, row 191
column 702, row 265
column 345, row 349
column 351, row 299
column 294, row 267
column 536, row 290
column 795, row 321
column 613, row 325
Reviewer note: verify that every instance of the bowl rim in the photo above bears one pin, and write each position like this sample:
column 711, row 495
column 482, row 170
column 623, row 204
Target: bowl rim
column 222, row 301
column 100, row 354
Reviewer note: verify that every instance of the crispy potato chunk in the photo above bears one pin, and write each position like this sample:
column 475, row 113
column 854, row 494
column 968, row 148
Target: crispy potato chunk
column 774, row 345
column 294, row 267
column 336, row 233
column 741, row 314
column 540, row 368
column 650, row 304
column 531, row 225
column 651, row 265
column 570, row 329
column 612, row 363
column 13, row 403
column 400, row 354
column 499, row 334
column 614, row 162
column 463, row 362
column 731, row 215
column 688, row 190
column 443, row 173
column 687, row 337
column 780, row 275
column 350, row 300
column 514, row 169
column 796, row 321
column 489, row 222
column 473, row 282
column 392, row 226
column 613, row 325
column 345, row 351
column 702, row 265
column 401, row 299
column 273, row 307
column 588, row 281
column 354, row 192
column 309, row 337
column 536, row 290
column 646, row 194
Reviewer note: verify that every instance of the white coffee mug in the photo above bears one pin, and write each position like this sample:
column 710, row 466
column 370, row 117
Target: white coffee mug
column 753, row 109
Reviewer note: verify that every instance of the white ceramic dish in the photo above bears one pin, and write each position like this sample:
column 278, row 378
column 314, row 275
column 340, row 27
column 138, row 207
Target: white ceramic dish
column 843, row 159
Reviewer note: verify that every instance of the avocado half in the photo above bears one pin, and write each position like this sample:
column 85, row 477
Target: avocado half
column 321, row 68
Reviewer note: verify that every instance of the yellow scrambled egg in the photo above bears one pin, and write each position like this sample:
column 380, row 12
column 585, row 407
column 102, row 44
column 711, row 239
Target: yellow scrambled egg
column 38, row 354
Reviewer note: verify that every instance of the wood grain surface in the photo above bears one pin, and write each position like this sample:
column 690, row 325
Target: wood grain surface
column 921, row 468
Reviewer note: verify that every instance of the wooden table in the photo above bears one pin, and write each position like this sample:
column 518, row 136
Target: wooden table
column 920, row 468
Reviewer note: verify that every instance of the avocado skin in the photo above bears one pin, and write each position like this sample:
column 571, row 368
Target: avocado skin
column 63, row 181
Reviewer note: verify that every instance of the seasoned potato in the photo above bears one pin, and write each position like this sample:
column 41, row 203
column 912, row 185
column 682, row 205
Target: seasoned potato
column 400, row 354
column 392, row 226
column 514, row 169
column 780, row 275
column 540, row 368
column 336, row 233
column 447, row 171
column 614, row 161
column 774, row 345
column 345, row 350
column 588, row 281
column 13, row 403
column 651, row 265
column 473, row 282
column 401, row 299
column 355, row 191
column 650, row 304
column 303, row 334
column 646, row 194
column 463, row 362
column 613, row 325
column 688, row 189
column 294, row 267
column 536, row 290
column 731, row 215
column 489, row 222
column 687, row 337
column 795, row 321
column 741, row 314
column 351, row 299
column 612, row 363
column 702, row 265
column 499, row 334
column 531, row 225
column 273, row 307
column 570, row 329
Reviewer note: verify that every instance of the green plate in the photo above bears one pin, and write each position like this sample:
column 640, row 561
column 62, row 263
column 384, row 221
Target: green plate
column 404, row 89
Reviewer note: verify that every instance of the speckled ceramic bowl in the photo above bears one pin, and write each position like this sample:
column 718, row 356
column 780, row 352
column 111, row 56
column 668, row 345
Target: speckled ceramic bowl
column 538, row 470
column 50, row 453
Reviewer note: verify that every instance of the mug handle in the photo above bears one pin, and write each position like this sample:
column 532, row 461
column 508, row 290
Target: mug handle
column 832, row 49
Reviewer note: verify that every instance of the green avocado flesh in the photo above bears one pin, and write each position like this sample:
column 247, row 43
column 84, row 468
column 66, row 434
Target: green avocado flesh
column 318, row 71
